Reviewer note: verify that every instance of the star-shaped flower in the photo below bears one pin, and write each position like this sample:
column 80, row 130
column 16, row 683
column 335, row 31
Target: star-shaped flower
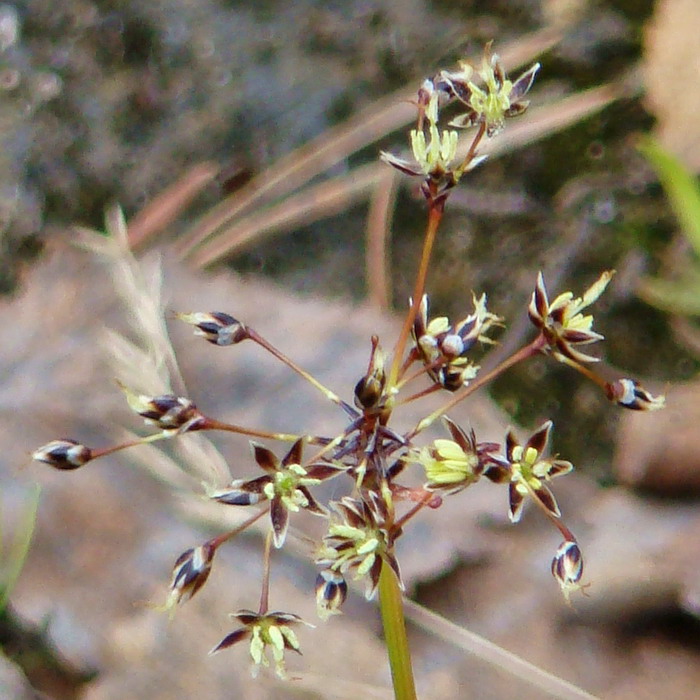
column 529, row 471
column 452, row 465
column 499, row 98
column 272, row 631
column 358, row 540
column 285, row 484
column 562, row 323
column 433, row 154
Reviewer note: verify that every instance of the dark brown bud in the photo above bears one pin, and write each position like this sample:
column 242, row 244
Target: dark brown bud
column 63, row 454
column 216, row 327
column 167, row 412
column 190, row 573
column 567, row 567
column 331, row 592
column 369, row 391
column 631, row 394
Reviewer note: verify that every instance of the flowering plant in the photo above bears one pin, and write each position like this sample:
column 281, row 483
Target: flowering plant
column 364, row 525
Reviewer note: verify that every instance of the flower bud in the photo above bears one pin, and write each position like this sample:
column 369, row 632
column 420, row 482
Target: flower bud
column 63, row 454
column 331, row 592
column 216, row 327
column 167, row 412
column 567, row 567
column 190, row 573
column 369, row 391
column 630, row 394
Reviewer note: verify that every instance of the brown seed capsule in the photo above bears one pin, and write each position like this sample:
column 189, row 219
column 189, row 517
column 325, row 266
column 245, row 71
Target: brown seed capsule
column 190, row 573
column 63, row 454
column 567, row 567
column 331, row 592
column 631, row 394
column 369, row 391
column 216, row 327
column 167, row 412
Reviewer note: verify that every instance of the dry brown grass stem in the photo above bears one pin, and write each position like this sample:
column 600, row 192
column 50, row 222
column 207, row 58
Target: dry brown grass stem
column 331, row 197
column 310, row 205
column 377, row 255
column 380, row 118
column 164, row 209
column 492, row 654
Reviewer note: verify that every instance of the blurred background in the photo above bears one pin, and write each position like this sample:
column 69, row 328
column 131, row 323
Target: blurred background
column 242, row 140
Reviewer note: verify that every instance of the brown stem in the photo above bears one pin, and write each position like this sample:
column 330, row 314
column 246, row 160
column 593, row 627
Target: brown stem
column 213, row 424
column 434, row 218
column 217, row 541
column 420, row 394
column 585, row 371
column 472, row 149
column 416, row 509
column 331, row 396
column 267, row 556
column 566, row 533
column 96, row 454
column 523, row 354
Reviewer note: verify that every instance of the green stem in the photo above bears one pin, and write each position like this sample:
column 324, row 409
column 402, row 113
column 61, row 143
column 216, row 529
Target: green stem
column 391, row 606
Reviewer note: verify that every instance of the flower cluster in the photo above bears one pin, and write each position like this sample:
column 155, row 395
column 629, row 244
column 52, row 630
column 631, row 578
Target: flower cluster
column 444, row 348
column 486, row 98
column 358, row 538
column 365, row 521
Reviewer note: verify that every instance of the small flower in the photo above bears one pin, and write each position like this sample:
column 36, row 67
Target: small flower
column 498, row 100
column 190, row 573
column 452, row 465
column 271, row 630
column 562, row 323
column 167, row 412
column 567, row 568
column 444, row 348
column 529, row 471
column 434, row 153
column 630, row 394
column 369, row 391
column 331, row 592
column 357, row 540
column 63, row 454
column 286, row 485
column 216, row 327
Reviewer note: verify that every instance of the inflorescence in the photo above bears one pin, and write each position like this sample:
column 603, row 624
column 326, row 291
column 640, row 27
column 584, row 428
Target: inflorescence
column 363, row 526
